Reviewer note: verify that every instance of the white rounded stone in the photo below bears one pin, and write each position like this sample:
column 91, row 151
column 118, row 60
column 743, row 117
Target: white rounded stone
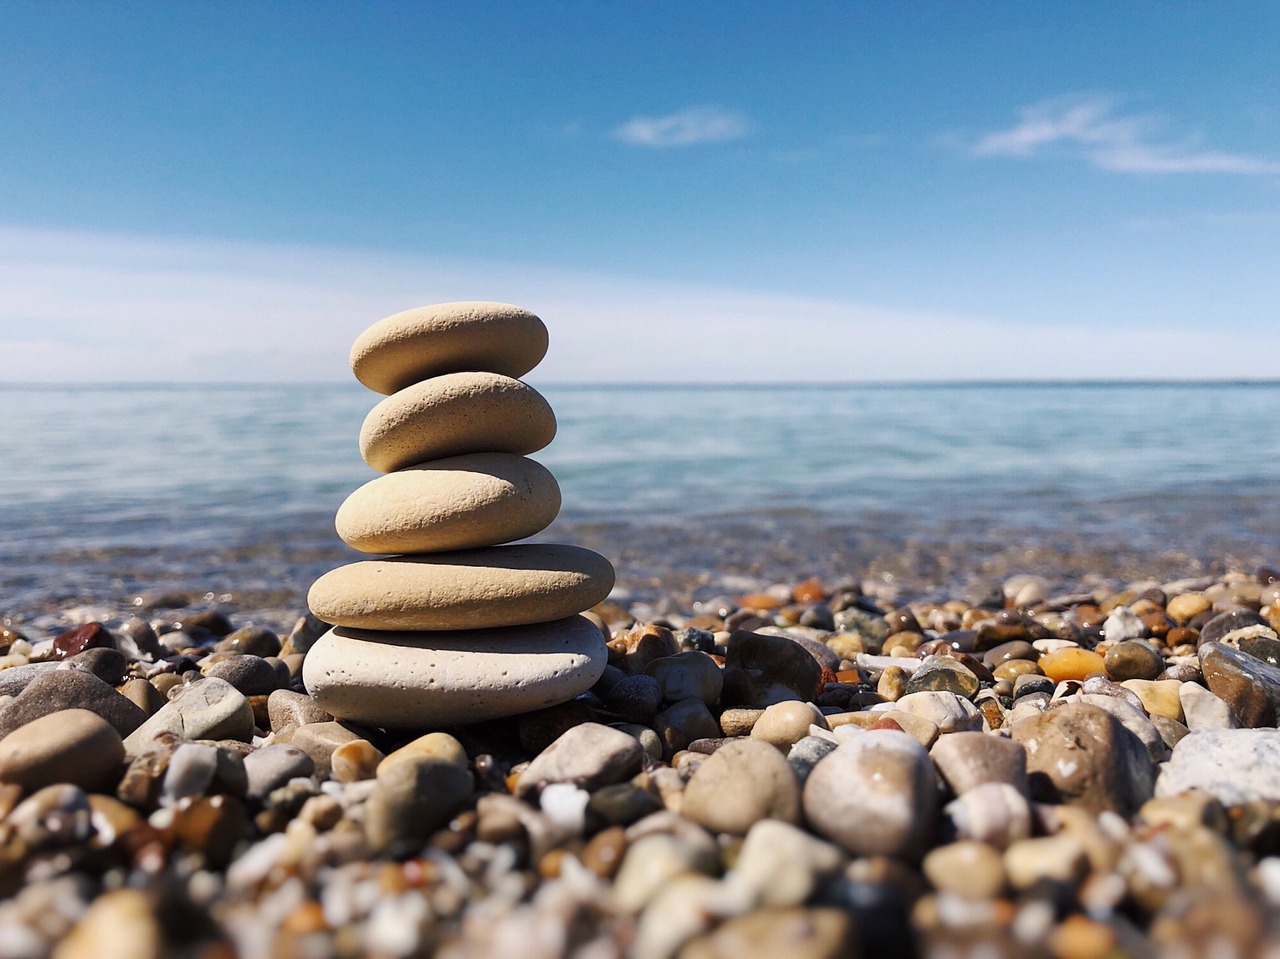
column 462, row 502
column 411, row 346
column 453, row 414
column 418, row 680
column 469, row 589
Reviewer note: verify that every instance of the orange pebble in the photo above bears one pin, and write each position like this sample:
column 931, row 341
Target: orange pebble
column 1071, row 663
column 761, row 601
column 810, row 591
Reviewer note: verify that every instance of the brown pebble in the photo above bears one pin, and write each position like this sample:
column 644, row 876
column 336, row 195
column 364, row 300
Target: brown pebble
column 76, row 641
column 603, row 853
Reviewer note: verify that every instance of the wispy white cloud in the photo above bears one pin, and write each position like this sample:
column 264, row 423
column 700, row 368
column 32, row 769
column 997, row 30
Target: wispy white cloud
column 702, row 124
column 85, row 307
column 1109, row 140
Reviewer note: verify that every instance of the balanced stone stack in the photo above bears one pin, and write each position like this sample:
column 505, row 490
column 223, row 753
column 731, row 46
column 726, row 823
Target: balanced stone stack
column 456, row 628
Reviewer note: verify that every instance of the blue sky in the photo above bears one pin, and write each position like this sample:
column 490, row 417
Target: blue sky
column 714, row 191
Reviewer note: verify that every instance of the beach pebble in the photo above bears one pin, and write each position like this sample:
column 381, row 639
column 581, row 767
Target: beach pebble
column 685, row 908
column 472, row 589
column 72, row 746
column 739, row 720
column 1233, row 765
column 1134, row 719
column 815, row 933
column 457, row 503
column 741, row 783
column 1060, row 859
column 634, row 698
column 588, row 756
column 427, row 341
column 412, row 799
column 1133, row 660
column 969, row 759
column 208, row 709
column 319, row 741
column 144, row 695
column 119, row 924
column 61, row 689
column 271, row 766
column 455, row 414
column 418, row 680
column 288, row 708
column 1071, row 662
column 949, row 712
column 993, row 813
column 1081, row 754
column 107, row 663
column 783, row 865
column 650, row 863
column 683, row 723
column 1217, row 628
column 876, row 794
column 355, row 761
column 761, row 670
column 967, row 868
column 806, row 753
column 251, row 675
column 1202, row 709
column 688, row 675
column 633, row 650
column 784, row 724
column 75, row 641
column 943, row 673
column 1248, row 685
column 1159, row 697
column 1123, row 624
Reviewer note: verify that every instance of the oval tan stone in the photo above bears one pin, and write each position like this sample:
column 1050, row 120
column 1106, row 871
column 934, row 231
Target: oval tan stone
column 468, row 589
column 68, row 746
column 453, row 414
column 406, row 680
column 462, row 502
column 411, row 346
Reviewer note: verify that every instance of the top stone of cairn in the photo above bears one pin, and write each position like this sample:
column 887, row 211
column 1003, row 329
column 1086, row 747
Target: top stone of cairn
column 406, row 348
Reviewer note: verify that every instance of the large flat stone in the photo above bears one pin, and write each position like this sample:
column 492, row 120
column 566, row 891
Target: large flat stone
column 469, row 589
column 431, row 679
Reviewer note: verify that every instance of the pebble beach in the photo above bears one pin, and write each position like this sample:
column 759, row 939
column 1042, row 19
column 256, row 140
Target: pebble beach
column 808, row 767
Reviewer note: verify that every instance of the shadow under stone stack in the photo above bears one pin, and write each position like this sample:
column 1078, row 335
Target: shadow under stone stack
column 457, row 628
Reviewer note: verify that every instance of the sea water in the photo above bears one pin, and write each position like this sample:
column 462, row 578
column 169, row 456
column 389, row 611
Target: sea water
column 104, row 489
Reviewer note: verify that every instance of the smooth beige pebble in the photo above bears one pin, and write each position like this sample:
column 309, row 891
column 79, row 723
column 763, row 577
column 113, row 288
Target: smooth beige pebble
column 411, row 346
column 468, row 589
column 453, row 414
column 462, row 502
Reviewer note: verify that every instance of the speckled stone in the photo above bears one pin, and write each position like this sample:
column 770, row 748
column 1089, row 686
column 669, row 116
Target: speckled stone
column 1079, row 753
column 876, row 794
column 1232, row 765
column 943, row 674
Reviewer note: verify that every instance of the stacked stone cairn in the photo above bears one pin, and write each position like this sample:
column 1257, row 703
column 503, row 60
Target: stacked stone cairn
column 456, row 627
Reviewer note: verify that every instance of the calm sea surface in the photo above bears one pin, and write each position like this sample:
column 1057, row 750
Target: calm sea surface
column 107, row 491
